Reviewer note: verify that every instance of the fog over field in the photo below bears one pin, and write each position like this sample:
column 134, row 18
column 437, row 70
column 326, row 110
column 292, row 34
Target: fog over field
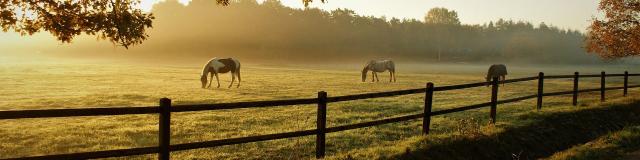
column 202, row 30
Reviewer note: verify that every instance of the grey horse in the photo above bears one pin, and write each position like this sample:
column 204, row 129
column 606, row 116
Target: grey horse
column 376, row 66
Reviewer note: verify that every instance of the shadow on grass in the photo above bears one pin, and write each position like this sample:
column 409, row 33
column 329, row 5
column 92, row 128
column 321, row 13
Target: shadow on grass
column 616, row 145
column 546, row 134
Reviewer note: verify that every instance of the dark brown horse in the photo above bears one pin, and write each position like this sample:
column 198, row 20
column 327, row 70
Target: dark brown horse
column 497, row 71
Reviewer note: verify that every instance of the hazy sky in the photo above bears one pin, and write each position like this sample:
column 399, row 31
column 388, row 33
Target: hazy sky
column 571, row 14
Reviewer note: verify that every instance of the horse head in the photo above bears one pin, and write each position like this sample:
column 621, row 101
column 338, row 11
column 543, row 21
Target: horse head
column 364, row 73
column 203, row 79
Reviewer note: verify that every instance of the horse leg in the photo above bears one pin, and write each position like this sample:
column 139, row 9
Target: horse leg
column 377, row 79
column 210, row 80
column 394, row 76
column 373, row 76
column 233, row 78
column 239, row 80
column 218, row 79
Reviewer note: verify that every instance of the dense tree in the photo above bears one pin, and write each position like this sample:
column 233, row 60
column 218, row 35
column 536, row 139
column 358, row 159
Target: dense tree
column 618, row 34
column 116, row 20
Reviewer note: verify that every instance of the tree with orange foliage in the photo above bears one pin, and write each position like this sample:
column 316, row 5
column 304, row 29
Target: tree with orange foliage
column 618, row 34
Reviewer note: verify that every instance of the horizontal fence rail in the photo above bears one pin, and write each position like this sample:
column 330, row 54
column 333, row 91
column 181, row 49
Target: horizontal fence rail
column 76, row 112
column 615, row 75
column 461, row 86
column 558, row 93
column 519, row 80
column 585, row 75
column 166, row 108
column 559, row 76
column 589, row 90
column 475, row 106
column 231, row 141
column 375, row 95
column 590, row 75
column 238, row 105
column 95, row 154
column 517, row 99
column 374, row 123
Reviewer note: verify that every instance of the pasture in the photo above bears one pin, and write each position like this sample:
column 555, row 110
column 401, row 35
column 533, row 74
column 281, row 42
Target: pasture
column 74, row 85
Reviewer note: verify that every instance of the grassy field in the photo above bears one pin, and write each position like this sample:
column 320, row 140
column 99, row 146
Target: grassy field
column 64, row 85
column 615, row 145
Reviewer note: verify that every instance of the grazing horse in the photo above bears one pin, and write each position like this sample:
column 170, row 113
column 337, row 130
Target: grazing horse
column 379, row 66
column 220, row 65
column 497, row 71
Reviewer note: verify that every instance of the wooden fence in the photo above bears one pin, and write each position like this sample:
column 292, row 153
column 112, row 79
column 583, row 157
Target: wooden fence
column 165, row 109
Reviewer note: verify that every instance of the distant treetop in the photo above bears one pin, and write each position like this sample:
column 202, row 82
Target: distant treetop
column 442, row 16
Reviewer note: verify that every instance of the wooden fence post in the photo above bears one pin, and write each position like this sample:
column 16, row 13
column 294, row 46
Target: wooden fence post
column 164, row 131
column 626, row 83
column 428, row 103
column 494, row 99
column 321, row 124
column 540, row 89
column 602, row 77
column 576, row 75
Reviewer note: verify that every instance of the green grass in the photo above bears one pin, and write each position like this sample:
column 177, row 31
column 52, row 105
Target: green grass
column 44, row 86
column 615, row 145
column 612, row 126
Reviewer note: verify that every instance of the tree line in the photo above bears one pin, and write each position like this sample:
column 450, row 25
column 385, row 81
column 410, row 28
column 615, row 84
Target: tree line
column 271, row 31
column 122, row 23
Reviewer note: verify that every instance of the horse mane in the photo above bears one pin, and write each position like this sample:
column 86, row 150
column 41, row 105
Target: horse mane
column 205, row 68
